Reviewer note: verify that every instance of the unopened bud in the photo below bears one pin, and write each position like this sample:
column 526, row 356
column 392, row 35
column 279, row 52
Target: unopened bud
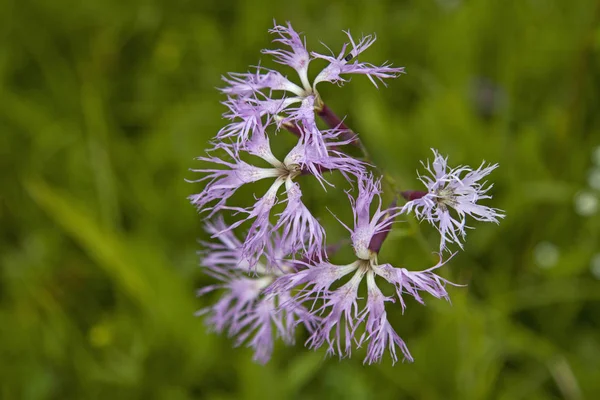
column 413, row 194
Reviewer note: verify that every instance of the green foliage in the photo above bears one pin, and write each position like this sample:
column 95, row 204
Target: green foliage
column 104, row 105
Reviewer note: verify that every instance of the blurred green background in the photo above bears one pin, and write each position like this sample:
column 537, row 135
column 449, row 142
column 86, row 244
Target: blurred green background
column 104, row 105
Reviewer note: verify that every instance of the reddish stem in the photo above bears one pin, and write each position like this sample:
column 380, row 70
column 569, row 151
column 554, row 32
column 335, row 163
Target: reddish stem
column 334, row 122
column 295, row 129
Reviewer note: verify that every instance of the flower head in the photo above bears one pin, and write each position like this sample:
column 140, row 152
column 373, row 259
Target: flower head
column 279, row 275
column 299, row 102
column 340, row 312
column 457, row 189
column 298, row 225
column 314, row 284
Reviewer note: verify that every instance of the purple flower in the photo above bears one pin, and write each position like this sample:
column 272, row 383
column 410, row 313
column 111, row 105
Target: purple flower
column 299, row 102
column 299, row 59
column 340, row 313
column 225, row 182
column 299, row 226
column 339, row 310
column 452, row 188
column 244, row 310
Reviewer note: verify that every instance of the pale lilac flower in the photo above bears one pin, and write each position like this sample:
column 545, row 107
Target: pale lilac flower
column 339, row 65
column 339, row 308
column 457, row 188
column 299, row 102
column 244, row 311
column 296, row 221
column 225, row 182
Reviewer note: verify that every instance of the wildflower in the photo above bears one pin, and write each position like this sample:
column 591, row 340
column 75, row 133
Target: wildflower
column 339, row 311
column 452, row 188
column 297, row 107
column 296, row 221
column 279, row 276
column 244, row 311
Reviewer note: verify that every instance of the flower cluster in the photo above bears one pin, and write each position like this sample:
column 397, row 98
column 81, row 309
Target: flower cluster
column 279, row 276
